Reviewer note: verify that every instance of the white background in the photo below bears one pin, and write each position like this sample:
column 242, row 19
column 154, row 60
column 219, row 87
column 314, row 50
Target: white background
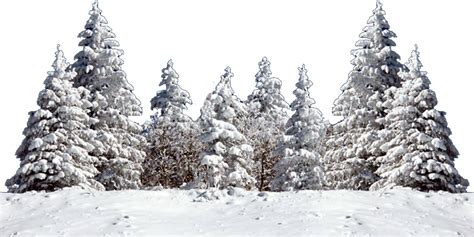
column 203, row 37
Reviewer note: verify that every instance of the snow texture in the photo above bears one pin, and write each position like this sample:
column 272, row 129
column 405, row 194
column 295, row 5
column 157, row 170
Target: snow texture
column 234, row 212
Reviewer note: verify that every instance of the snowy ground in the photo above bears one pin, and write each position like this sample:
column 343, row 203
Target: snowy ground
column 173, row 212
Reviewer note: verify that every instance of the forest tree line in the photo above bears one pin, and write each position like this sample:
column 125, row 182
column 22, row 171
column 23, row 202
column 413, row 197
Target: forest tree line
column 389, row 133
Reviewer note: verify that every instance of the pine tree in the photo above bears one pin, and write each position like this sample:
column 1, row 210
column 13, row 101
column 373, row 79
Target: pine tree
column 227, row 156
column 352, row 144
column 300, row 148
column 55, row 151
column 99, row 68
column 419, row 153
column 172, row 136
column 266, row 122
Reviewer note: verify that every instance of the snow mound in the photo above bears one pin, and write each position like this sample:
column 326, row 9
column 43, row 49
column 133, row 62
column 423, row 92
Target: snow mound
column 76, row 212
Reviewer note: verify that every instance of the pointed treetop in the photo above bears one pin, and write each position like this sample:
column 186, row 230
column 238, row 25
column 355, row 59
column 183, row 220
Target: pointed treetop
column 95, row 7
column 228, row 73
column 265, row 65
column 169, row 75
column 225, row 79
column 378, row 6
column 414, row 63
column 264, row 68
column 303, row 70
column 303, row 73
column 224, row 85
column 303, row 82
column 60, row 63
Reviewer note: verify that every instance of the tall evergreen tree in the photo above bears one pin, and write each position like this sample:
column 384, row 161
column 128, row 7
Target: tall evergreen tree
column 99, row 68
column 55, row 151
column 266, row 122
column 172, row 136
column 352, row 143
column 301, row 148
column 419, row 153
column 227, row 156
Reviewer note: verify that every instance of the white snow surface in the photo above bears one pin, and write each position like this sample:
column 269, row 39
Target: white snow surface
column 394, row 212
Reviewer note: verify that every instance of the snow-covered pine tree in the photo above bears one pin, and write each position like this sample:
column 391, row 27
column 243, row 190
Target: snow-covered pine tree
column 352, row 144
column 173, row 146
column 55, row 151
column 419, row 152
column 227, row 156
column 266, row 122
column 99, row 68
column 300, row 150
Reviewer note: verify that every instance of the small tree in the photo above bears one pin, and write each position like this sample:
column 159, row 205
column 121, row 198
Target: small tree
column 172, row 136
column 352, row 144
column 99, row 68
column 227, row 156
column 55, row 151
column 300, row 149
column 266, row 122
column 419, row 153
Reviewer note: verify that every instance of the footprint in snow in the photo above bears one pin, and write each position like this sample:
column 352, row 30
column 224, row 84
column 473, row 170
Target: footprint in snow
column 123, row 221
column 313, row 214
column 352, row 219
column 13, row 200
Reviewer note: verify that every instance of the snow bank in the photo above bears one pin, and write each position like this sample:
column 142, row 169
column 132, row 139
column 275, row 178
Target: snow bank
column 221, row 213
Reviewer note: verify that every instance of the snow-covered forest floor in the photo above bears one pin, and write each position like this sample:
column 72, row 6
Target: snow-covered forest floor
column 75, row 212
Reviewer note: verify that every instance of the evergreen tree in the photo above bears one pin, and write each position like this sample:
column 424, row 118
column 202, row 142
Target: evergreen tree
column 227, row 156
column 172, row 136
column 419, row 153
column 55, row 151
column 266, row 122
column 99, row 68
column 352, row 144
column 300, row 148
